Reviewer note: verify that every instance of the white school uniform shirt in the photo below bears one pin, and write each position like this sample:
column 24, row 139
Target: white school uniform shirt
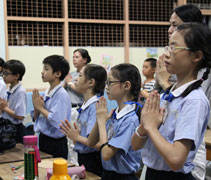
column 17, row 101
column 3, row 91
column 58, row 104
column 86, row 121
column 120, row 131
column 187, row 118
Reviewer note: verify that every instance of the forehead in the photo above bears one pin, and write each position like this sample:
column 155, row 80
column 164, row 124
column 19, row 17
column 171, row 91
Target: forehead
column 6, row 70
column 175, row 19
column 77, row 53
column 47, row 66
column 147, row 63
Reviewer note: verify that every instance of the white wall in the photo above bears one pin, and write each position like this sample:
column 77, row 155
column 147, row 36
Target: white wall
column 32, row 57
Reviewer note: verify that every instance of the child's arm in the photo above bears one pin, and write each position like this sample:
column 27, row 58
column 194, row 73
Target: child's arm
column 93, row 136
column 174, row 154
column 4, row 107
column 38, row 103
column 107, row 151
column 139, row 138
column 74, row 133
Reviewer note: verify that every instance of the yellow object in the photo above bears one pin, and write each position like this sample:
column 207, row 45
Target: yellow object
column 60, row 170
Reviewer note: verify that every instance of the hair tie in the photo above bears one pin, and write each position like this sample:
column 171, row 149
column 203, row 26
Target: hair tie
column 202, row 79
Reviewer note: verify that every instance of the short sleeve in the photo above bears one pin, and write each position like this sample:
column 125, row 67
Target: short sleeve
column 192, row 121
column 123, row 134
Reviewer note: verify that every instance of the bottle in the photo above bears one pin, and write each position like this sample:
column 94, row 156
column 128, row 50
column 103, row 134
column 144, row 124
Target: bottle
column 31, row 158
column 60, row 170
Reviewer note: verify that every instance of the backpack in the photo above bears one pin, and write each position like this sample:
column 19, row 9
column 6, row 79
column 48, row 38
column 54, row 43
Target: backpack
column 7, row 134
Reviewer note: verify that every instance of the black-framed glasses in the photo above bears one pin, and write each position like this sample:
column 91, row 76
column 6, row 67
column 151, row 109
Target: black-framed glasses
column 108, row 83
column 6, row 73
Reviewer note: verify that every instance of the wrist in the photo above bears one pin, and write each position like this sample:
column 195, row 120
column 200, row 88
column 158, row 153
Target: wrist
column 139, row 134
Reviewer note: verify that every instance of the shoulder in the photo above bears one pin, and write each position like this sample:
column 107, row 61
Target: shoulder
column 129, row 119
column 197, row 95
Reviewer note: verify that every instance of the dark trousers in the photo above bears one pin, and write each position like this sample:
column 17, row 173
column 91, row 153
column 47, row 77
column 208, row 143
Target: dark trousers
column 153, row 174
column 110, row 175
column 91, row 161
column 20, row 133
column 53, row 146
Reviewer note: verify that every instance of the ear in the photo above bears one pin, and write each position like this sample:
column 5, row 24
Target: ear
column 198, row 55
column 58, row 74
column 91, row 82
column 17, row 76
column 127, row 85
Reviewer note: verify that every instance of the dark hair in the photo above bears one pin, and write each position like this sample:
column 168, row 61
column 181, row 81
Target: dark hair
column 85, row 54
column 189, row 13
column 58, row 64
column 197, row 37
column 99, row 74
column 16, row 67
column 128, row 72
column 1, row 62
column 152, row 62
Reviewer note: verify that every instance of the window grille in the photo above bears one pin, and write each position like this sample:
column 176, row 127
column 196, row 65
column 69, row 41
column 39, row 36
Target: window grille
column 96, row 9
column 35, row 8
column 21, row 33
column 148, row 36
column 202, row 4
column 81, row 34
column 150, row 10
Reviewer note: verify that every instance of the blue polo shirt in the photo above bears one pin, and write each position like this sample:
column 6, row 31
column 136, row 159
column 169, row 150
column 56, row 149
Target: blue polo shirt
column 120, row 131
column 17, row 101
column 58, row 104
column 187, row 118
column 86, row 120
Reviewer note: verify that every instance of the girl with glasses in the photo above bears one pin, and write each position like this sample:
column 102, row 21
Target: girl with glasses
column 172, row 128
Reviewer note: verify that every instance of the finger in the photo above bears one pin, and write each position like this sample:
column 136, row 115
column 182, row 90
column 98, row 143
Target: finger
column 75, row 125
column 158, row 101
column 67, row 123
column 151, row 97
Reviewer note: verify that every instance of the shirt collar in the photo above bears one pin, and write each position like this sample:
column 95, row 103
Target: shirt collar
column 52, row 92
column 127, row 109
column 177, row 92
column 90, row 101
column 14, row 88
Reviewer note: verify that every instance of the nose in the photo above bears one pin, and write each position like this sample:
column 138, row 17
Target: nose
column 170, row 30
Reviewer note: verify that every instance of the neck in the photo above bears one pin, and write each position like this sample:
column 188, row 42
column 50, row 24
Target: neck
column 53, row 84
column 181, row 80
column 148, row 79
column 13, row 84
column 88, row 94
column 124, row 99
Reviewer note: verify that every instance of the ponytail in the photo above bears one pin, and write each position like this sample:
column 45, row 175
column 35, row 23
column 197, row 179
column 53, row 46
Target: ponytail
column 196, row 84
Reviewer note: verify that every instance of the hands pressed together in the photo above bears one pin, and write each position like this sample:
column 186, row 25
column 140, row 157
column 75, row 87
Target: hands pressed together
column 37, row 100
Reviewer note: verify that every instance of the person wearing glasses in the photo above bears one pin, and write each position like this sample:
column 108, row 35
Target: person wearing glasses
column 14, row 106
column 114, row 130
column 180, row 15
column 173, row 126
